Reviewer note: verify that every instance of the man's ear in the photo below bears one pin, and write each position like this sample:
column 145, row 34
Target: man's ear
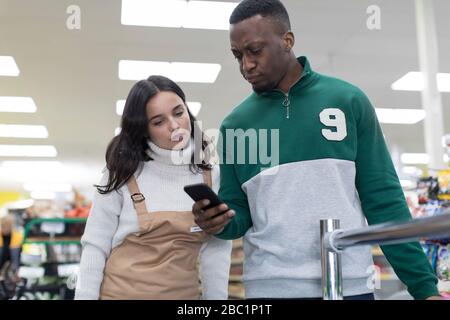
column 288, row 41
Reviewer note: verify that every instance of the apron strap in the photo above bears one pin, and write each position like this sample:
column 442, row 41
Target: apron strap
column 137, row 197
column 207, row 178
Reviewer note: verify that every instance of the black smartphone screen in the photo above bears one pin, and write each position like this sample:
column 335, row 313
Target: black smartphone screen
column 202, row 191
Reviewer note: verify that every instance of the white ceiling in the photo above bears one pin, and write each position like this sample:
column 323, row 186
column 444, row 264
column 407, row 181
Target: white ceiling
column 72, row 75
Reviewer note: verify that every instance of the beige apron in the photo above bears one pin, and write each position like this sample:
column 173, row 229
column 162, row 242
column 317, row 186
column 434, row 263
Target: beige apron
column 159, row 261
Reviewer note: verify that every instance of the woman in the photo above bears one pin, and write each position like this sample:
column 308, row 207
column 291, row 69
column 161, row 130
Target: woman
column 141, row 241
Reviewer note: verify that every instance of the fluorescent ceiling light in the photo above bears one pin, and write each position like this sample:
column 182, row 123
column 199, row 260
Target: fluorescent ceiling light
column 208, row 15
column 177, row 71
column 76, row 173
column 400, row 116
column 177, row 13
column 165, row 13
column 43, row 195
column 406, row 183
column 194, row 107
column 17, row 104
column 8, row 67
column 117, row 131
column 412, row 171
column 31, row 165
column 194, row 72
column 23, row 131
column 120, row 105
column 21, row 204
column 414, row 81
column 25, row 171
column 56, row 187
column 27, row 151
column 419, row 158
column 415, row 158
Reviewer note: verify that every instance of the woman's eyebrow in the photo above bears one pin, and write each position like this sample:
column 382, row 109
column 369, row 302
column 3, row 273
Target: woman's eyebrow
column 160, row 115
column 180, row 105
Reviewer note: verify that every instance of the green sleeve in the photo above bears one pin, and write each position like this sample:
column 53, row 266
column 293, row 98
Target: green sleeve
column 232, row 194
column 382, row 200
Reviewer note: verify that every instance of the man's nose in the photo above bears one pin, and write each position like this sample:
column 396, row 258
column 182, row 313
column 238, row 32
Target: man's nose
column 247, row 64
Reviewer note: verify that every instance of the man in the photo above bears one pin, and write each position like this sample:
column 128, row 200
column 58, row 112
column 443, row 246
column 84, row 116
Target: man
column 333, row 163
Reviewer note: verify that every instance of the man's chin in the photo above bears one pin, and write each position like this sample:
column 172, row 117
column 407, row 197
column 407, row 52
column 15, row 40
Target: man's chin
column 258, row 89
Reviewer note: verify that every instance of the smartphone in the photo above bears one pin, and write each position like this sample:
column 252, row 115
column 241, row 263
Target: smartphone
column 202, row 191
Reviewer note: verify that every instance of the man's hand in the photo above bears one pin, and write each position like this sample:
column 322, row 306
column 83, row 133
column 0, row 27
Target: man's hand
column 435, row 298
column 205, row 220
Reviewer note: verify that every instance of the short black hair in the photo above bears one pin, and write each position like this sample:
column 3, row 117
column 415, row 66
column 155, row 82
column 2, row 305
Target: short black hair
column 266, row 8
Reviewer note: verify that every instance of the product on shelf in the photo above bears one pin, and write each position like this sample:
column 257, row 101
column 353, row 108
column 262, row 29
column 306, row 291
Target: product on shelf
column 427, row 189
column 444, row 184
column 443, row 263
column 236, row 287
column 80, row 207
column 433, row 198
column 431, row 250
column 51, row 252
column 236, row 291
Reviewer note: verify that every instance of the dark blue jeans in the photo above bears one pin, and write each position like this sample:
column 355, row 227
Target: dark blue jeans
column 367, row 296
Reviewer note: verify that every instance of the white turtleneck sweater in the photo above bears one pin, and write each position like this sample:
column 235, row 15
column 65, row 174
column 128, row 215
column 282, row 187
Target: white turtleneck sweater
column 113, row 218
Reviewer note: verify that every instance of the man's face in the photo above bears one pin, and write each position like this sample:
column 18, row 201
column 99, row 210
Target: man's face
column 259, row 48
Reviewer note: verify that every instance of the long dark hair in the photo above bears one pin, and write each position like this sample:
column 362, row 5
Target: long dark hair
column 129, row 149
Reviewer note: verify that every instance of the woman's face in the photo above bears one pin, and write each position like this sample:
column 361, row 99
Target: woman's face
column 169, row 124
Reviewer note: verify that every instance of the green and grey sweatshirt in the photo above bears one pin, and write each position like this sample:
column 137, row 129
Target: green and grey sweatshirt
column 289, row 160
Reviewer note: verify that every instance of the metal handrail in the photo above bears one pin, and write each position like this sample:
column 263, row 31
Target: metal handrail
column 334, row 240
column 392, row 233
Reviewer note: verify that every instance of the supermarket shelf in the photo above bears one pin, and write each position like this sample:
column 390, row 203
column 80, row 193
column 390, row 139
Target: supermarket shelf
column 56, row 240
column 235, row 278
column 235, row 285
column 236, row 291
column 54, row 234
column 240, row 296
column 49, row 263
column 388, row 277
column 237, row 243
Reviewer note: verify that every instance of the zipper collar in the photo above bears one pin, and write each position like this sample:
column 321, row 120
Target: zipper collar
column 302, row 81
column 287, row 102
